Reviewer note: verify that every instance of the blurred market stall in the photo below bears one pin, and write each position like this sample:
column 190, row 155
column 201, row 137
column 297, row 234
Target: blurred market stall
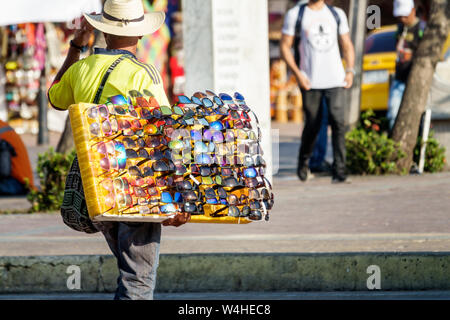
column 33, row 45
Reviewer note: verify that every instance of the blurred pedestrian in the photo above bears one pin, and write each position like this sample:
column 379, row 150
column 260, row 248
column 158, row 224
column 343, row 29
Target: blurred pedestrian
column 112, row 71
column 315, row 30
column 409, row 32
column 317, row 163
column 15, row 167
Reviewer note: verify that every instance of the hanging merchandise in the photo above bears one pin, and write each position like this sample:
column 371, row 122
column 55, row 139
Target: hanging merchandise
column 25, row 61
column 140, row 161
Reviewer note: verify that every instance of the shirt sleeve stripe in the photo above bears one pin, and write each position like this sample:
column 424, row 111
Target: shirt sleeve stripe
column 148, row 72
column 155, row 77
column 157, row 73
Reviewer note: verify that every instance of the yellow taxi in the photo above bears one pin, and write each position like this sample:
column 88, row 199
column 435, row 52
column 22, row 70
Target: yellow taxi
column 379, row 66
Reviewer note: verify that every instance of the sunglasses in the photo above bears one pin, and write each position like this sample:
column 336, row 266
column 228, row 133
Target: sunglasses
column 237, row 115
column 113, row 163
column 177, row 145
column 159, row 166
column 98, row 111
column 169, row 111
column 203, row 158
column 105, row 148
column 200, row 95
column 152, row 129
column 104, row 128
column 255, row 215
column 234, row 200
column 185, row 185
column 193, row 208
column 204, row 171
column 167, row 197
column 211, row 180
column 239, row 124
column 213, row 135
column 130, row 143
column 250, row 148
column 256, row 182
column 147, row 114
column 202, row 147
column 184, row 100
column 231, row 183
column 250, row 172
column 141, row 153
column 181, row 170
column 164, row 209
column 205, row 112
column 251, row 161
column 119, row 105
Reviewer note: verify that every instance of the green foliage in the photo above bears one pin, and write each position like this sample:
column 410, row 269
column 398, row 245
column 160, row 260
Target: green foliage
column 53, row 168
column 370, row 150
column 434, row 154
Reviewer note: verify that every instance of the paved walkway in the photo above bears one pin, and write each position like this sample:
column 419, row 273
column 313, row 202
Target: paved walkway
column 388, row 213
column 372, row 214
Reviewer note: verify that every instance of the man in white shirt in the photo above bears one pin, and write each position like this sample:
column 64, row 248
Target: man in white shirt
column 315, row 30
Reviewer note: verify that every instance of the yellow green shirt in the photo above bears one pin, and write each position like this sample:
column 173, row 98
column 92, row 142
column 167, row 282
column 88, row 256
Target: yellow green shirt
column 81, row 81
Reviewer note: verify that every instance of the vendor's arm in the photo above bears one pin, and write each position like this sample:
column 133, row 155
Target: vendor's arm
column 178, row 220
column 59, row 97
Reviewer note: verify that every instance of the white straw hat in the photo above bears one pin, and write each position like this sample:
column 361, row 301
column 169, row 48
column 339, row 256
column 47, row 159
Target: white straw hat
column 126, row 18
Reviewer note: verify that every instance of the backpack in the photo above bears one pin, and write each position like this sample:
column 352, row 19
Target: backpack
column 6, row 153
column 422, row 26
column 298, row 28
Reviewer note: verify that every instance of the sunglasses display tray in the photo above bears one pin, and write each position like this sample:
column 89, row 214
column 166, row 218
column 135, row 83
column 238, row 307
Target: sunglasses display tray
column 135, row 168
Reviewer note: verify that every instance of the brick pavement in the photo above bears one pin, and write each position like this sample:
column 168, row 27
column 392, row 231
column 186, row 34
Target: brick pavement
column 388, row 213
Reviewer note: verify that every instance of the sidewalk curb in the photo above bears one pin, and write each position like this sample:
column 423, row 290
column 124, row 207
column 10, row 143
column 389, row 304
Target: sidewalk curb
column 236, row 272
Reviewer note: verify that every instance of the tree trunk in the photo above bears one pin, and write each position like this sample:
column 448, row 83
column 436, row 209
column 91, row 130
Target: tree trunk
column 415, row 98
column 65, row 143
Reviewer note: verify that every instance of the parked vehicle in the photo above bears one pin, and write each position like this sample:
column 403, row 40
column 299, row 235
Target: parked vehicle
column 379, row 67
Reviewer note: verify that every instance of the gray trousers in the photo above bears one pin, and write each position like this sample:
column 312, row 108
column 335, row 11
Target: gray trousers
column 136, row 248
column 335, row 101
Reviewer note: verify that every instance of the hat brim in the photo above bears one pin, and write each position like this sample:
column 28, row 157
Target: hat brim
column 151, row 23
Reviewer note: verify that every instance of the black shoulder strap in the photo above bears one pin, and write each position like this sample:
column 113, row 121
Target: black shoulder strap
column 338, row 22
column 105, row 78
column 298, row 32
column 335, row 15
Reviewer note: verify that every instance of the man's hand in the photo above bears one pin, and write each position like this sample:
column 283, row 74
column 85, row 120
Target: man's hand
column 178, row 220
column 303, row 81
column 83, row 34
column 348, row 80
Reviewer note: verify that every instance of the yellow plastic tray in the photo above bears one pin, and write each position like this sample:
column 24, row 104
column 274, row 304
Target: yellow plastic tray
column 95, row 195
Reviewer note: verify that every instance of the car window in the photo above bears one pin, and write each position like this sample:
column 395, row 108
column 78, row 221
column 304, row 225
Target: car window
column 380, row 42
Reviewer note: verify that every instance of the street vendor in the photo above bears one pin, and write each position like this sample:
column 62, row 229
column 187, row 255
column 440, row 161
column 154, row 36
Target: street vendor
column 123, row 23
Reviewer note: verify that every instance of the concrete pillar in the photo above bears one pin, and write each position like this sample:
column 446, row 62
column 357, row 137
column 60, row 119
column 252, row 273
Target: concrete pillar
column 357, row 21
column 226, row 48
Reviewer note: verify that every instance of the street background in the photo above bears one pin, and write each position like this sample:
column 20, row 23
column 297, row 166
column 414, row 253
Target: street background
column 320, row 238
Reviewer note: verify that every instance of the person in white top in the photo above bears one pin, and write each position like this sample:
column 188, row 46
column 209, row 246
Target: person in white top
column 316, row 30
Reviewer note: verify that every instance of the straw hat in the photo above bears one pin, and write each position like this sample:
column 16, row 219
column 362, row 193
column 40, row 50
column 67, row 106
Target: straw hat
column 126, row 18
